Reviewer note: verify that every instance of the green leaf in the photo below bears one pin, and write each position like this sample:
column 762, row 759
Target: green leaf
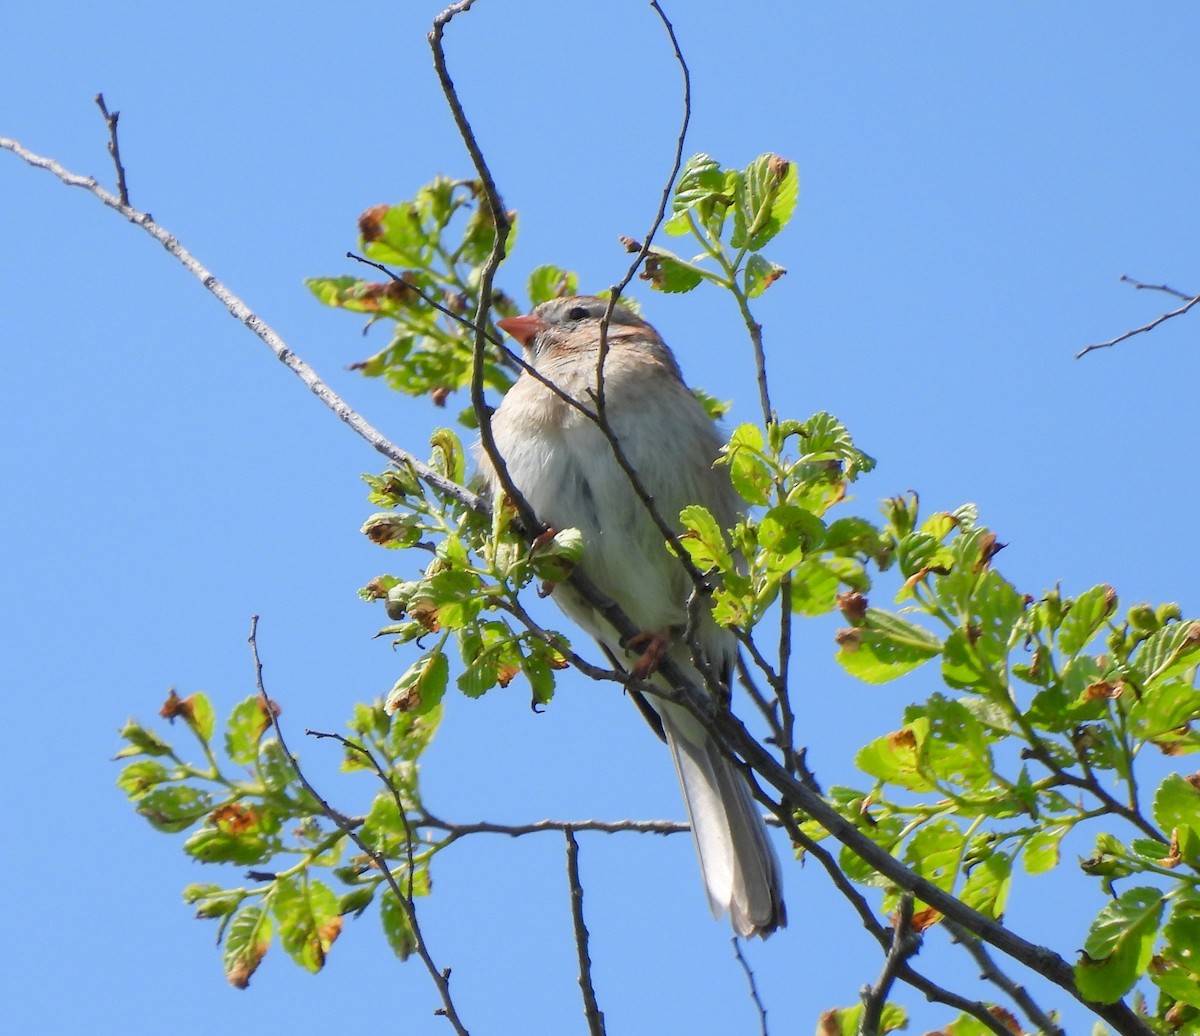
column 1043, row 850
column 787, row 532
column 895, row 757
column 668, row 273
column 551, row 282
column 1162, row 713
column 246, row 941
column 1119, row 945
column 422, row 685
column 988, row 884
column 140, row 777
column 308, row 920
column 817, row 581
column 1171, row 651
column 956, row 750
column 760, row 274
column 701, row 185
column 1177, row 805
column 224, row 843
column 1085, row 617
column 175, row 808
column 885, row 647
column 1182, row 936
column 704, row 541
column 766, row 198
column 846, row 1021
column 246, row 725
column 748, row 470
column 448, row 458
column 401, row 239
column 396, row 926
column 934, row 852
column 142, row 741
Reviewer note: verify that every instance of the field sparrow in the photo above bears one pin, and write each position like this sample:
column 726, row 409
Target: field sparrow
column 564, row 467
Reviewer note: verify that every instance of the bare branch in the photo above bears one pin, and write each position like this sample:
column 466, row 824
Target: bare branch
column 905, row 942
column 242, row 313
column 1192, row 300
column 591, row 1009
column 758, row 1004
column 114, row 149
column 991, row 972
column 441, row 978
column 456, row 831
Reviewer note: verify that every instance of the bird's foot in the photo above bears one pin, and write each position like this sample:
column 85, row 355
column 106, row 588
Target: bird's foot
column 654, row 644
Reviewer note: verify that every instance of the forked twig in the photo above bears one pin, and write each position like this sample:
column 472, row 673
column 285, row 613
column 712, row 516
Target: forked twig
column 441, row 977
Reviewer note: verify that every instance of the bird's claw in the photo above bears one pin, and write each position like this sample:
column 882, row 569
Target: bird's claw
column 654, row 644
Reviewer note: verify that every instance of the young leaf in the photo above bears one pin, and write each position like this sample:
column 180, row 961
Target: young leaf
column 246, row 942
column 1085, row 616
column 1119, row 945
column 396, row 928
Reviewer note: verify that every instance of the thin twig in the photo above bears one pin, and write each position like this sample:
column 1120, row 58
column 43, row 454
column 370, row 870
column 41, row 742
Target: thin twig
column 905, row 942
column 758, row 1004
column 114, row 149
column 991, row 972
column 441, row 978
column 1192, row 300
column 1141, row 286
column 261, row 329
column 591, row 1009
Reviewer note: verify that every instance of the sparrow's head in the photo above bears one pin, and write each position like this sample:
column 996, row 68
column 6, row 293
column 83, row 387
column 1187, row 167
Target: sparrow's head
column 574, row 322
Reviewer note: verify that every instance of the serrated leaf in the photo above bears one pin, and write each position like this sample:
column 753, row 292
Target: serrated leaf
column 244, row 729
column 448, row 457
column 1169, row 652
column 141, row 777
column 766, row 198
column 308, row 920
column 896, row 758
column 934, row 852
column 1085, row 617
column 885, row 647
column 246, row 941
column 1177, row 804
column 1119, row 945
column 748, row 470
column 551, row 282
column 175, row 808
column 760, row 274
column 669, row 273
column 956, row 751
column 422, row 685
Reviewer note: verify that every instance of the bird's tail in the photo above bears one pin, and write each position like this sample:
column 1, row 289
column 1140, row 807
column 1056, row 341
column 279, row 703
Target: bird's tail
column 739, row 866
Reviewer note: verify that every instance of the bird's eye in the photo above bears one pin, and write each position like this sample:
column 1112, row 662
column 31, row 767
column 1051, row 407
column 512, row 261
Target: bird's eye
column 576, row 313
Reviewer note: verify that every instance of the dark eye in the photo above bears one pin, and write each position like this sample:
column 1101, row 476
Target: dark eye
column 576, row 313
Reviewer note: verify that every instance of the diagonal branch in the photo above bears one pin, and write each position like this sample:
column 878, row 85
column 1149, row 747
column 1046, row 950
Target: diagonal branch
column 243, row 314
column 905, row 942
column 1192, row 300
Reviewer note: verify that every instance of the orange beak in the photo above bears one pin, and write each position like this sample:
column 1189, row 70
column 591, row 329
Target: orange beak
column 522, row 328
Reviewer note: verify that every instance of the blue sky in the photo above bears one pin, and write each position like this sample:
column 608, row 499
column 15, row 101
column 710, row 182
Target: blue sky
column 974, row 179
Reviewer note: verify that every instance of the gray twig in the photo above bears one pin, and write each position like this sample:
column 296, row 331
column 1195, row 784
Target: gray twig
column 114, row 149
column 1192, row 300
column 991, row 972
column 905, row 942
column 591, row 1009
column 758, row 1004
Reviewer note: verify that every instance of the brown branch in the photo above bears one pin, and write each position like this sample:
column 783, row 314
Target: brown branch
column 114, row 149
column 260, row 328
column 905, row 942
column 591, row 1009
column 441, row 978
column 991, row 972
column 758, row 1004
column 1192, row 300
column 456, row 831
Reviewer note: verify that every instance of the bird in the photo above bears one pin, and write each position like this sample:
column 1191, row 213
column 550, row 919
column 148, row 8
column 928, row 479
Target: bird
column 564, row 466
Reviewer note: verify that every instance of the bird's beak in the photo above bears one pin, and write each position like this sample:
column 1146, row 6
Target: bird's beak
column 522, row 328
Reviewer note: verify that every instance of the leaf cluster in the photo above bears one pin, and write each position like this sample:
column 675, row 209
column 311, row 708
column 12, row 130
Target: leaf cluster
column 244, row 806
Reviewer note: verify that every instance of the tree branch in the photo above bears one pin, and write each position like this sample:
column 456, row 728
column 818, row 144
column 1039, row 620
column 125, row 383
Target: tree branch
column 758, row 1004
column 441, row 978
column 591, row 1009
column 1192, row 300
column 114, row 149
column 905, row 942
